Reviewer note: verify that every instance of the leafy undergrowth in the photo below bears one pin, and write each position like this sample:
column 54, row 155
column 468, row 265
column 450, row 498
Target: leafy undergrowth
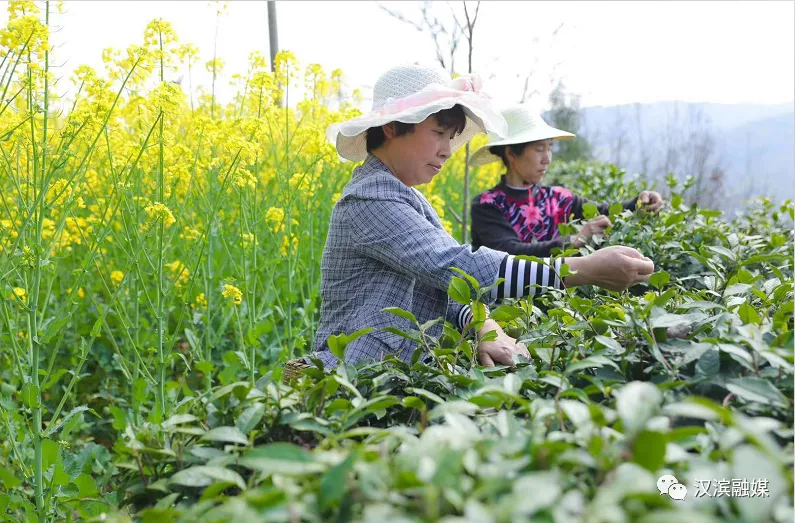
column 691, row 375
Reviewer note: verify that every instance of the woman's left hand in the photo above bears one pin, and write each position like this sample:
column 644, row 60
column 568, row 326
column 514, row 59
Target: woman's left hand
column 651, row 201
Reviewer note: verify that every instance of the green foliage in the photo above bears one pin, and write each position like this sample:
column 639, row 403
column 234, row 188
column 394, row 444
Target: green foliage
column 690, row 375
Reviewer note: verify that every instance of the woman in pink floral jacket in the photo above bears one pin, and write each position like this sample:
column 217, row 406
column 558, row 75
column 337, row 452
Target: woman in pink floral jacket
column 520, row 216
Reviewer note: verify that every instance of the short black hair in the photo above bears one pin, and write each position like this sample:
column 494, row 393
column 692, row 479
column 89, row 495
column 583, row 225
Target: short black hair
column 453, row 118
column 516, row 148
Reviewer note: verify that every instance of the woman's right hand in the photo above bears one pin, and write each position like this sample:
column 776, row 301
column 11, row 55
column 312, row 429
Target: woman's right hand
column 500, row 350
column 613, row 268
column 594, row 226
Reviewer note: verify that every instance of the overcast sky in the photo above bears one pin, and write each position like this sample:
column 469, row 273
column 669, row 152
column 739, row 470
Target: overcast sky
column 607, row 52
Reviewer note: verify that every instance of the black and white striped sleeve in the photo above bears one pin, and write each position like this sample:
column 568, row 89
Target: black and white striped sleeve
column 464, row 317
column 527, row 278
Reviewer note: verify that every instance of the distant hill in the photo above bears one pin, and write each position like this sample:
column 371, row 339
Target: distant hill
column 753, row 144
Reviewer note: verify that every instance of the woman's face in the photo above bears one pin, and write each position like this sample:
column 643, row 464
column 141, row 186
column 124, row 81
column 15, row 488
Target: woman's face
column 532, row 164
column 418, row 156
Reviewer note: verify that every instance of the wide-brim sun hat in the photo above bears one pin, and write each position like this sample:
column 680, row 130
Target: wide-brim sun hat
column 524, row 125
column 412, row 93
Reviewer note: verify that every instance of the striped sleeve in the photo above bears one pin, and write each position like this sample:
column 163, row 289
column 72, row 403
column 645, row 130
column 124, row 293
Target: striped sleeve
column 526, row 278
column 466, row 316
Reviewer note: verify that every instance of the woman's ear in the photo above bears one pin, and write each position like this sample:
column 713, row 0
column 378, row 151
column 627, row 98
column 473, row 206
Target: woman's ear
column 389, row 130
column 510, row 157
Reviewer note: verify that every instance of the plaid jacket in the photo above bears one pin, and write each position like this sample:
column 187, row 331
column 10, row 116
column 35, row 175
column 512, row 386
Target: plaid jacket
column 386, row 248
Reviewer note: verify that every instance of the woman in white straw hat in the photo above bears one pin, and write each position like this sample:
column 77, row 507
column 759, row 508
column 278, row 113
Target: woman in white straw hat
column 386, row 246
column 521, row 216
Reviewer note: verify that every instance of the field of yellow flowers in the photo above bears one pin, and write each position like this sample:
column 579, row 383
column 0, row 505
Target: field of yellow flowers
column 150, row 236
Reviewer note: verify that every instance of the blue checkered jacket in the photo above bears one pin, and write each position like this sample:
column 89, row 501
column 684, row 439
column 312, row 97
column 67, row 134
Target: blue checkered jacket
column 387, row 248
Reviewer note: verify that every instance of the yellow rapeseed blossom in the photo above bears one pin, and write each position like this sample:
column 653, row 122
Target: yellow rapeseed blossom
column 288, row 249
column 19, row 293
column 243, row 179
column 159, row 212
column 302, row 183
column 189, row 233
column 200, row 302
column 275, row 219
column 116, row 277
column 28, row 257
column 232, row 294
column 178, row 270
column 80, row 292
column 248, row 239
column 58, row 193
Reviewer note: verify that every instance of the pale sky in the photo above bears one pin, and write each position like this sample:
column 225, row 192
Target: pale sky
column 607, row 52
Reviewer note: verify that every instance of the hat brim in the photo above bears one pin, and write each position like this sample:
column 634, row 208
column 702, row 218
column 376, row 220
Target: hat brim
column 350, row 136
column 484, row 157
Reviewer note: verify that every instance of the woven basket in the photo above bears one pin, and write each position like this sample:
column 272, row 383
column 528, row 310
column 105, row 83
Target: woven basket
column 294, row 370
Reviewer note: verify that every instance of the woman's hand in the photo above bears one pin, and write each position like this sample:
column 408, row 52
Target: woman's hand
column 594, row 226
column 650, row 201
column 500, row 350
column 613, row 268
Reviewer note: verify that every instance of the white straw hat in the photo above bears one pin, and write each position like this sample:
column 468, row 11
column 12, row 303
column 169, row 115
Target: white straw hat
column 524, row 125
column 410, row 94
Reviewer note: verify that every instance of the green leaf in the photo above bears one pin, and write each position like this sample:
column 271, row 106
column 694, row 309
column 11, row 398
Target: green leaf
column 86, row 486
column 413, row 402
column 671, row 320
column 489, row 336
column 458, row 290
column 30, row 396
column 9, row 480
column 250, row 418
column 397, row 311
column 425, row 393
column 545, row 488
column 413, row 335
column 226, row 434
column 54, row 378
column 55, row 428
column 723, row 251
column 332, row 486
column 589, row 211
column 205, row 367
column 709, row 363
column 637, row 402
column 595, row 361
column 751, row 463
column 692, row 408
column 659, row 279
column 649, row 450
column 506, row 313
column 97, row 327
column 204, row 475
column 119, row 418
column 472, row 281
column 281, row 458
column 737, row 288
column 338, row 342
column 748, row 314
column 53, row 329
column 758, row 390
column 611, row 344
column 178, row 419
column 615, row 209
